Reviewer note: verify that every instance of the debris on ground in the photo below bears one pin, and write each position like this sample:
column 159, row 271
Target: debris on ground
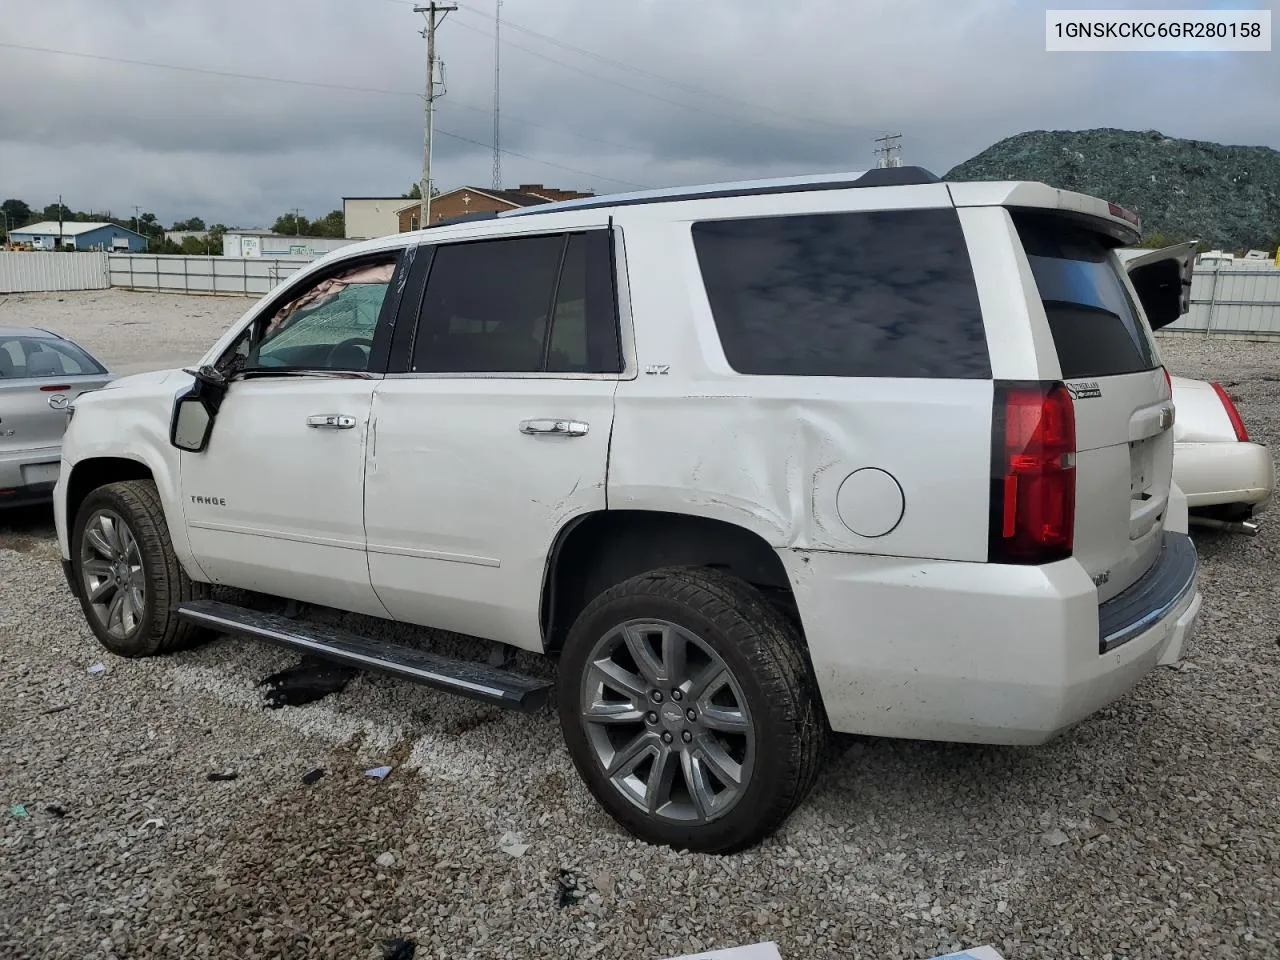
column 378, row 773
column 220, row 777
column 312, row 776
column 570, row 888
column 1056, row 838
column 307, row 681
column 513, row 845
column 156, row 822
column 97, row 668
column 51, row 710
column 18, row 810
column 398, row 949
column 386, row 860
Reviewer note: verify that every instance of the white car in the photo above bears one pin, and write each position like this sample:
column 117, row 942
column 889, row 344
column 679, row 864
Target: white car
column 750, row 461
column 1228, row 479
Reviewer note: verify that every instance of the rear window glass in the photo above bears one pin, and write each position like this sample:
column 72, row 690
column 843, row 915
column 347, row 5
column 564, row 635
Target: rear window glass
column 880, row 294
column 1097, row 331
column 40, row 357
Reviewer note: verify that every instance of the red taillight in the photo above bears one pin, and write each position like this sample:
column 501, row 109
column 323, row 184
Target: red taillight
column 1168, row 380
column 1121, row 213
column 58, row 389
column 1232, row 413
column 1033, row 489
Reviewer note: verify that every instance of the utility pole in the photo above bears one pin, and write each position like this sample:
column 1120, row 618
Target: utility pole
column 497, row 55
column 429, row 107
column 297, row 224
column 885, row 153
column 59, row 221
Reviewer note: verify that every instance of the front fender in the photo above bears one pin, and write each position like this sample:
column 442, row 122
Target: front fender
column 130, row 423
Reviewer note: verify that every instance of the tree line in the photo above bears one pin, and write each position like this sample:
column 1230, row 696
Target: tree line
column 16, row 214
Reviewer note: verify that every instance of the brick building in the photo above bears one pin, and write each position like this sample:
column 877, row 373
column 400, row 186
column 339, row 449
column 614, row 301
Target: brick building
column 466, row 200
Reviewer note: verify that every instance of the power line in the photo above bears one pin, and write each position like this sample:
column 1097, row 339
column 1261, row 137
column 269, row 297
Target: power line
column 639, row 71
column 333, row 86
column 617, row 83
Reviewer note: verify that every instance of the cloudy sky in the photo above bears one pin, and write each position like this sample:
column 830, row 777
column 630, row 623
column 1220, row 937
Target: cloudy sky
column 596, row 94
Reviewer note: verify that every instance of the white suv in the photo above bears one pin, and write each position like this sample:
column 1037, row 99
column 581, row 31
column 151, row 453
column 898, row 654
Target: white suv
column 877, row 454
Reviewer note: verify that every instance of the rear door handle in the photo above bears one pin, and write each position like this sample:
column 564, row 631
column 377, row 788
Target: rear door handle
column 331, row 421
column 554, row 428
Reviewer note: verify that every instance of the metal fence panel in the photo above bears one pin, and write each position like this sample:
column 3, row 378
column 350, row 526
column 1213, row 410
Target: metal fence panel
column 1238, row 299
column 226, row 276
column 36, row 272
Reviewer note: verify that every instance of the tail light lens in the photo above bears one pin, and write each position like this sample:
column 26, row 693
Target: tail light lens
column 1168, row 380
column 56, row 388
column 1033, row 477
column 1232, row 413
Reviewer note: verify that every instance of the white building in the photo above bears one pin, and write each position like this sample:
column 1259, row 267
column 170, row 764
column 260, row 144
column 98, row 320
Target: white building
column 265, row 243
column 369, row 217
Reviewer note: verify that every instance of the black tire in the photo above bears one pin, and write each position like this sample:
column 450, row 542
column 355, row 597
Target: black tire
column 765, row 655
column 157, row 630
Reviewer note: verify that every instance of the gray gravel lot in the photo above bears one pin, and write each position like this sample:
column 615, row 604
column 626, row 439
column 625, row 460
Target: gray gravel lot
column 1152, row 830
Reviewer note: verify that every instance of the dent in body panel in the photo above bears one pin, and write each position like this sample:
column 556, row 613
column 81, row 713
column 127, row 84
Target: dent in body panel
column 774, row 463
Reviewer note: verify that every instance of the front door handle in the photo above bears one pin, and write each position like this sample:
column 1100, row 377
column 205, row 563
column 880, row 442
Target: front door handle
column 331, row 421
column 554, row 428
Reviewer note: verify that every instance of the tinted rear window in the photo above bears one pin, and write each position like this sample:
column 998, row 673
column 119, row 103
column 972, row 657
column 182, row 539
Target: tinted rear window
column 1096, row 328
column 881, row 294
column 41, row 357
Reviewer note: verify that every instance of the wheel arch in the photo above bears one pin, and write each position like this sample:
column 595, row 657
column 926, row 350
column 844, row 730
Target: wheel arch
column 597, row 550
column 92, row 472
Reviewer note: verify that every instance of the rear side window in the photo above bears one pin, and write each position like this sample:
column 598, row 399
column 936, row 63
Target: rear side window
column 1096, row 329
column 879, row 294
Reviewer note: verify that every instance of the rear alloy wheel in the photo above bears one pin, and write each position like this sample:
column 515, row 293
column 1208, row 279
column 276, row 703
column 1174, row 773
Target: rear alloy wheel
column 126, row 574
column 688, row 709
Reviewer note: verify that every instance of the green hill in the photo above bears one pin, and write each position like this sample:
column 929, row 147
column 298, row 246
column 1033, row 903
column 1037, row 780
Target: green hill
column 1228, row 197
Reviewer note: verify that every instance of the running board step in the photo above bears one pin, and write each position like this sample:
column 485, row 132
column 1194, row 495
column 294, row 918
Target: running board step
column 467, row 678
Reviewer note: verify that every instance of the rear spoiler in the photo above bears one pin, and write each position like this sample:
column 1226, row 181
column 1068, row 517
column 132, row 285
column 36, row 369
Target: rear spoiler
column 1123, row 226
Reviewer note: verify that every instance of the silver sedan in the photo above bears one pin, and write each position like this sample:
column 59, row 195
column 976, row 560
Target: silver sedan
column 41, row 373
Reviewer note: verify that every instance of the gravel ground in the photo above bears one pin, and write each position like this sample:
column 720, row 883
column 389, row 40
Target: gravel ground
column 129, row 332
column 1152, row 830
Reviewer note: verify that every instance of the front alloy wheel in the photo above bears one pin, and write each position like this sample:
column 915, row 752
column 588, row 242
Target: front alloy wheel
column 111, row 572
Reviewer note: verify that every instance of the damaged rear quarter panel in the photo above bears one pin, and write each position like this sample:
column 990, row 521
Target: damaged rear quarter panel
column 770, row 453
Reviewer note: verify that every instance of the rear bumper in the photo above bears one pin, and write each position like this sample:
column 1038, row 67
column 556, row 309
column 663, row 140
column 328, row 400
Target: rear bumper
column 22, row 471
column 1215, row 474
column 973, row 652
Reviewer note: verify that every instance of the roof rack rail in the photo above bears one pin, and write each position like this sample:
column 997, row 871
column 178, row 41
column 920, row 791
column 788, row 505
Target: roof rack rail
column 879, row 177
column 465, row 217
column 895, row 177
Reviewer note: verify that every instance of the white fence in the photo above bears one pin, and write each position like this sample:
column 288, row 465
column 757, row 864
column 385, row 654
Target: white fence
column 246, row 276
column 30, row 271
column 1233, row 299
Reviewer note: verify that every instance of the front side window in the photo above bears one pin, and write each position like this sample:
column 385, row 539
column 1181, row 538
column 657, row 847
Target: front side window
column 38, row 358
column 329, row 326
column 879, row 294
column 520, row 305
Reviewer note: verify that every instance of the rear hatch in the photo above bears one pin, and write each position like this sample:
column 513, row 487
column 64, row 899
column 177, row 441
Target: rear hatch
column 1120, row 394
